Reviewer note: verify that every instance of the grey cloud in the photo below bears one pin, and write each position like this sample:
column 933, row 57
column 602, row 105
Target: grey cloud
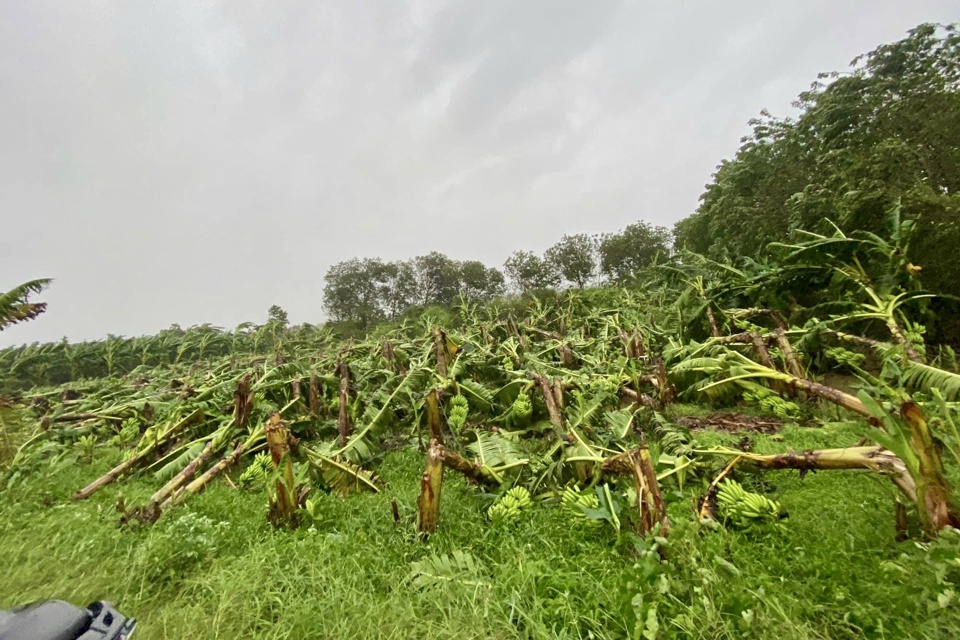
column 197, row 162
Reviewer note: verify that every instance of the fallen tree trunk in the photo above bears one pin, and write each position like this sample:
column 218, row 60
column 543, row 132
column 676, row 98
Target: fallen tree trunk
column 188, row 472
column 472, row 470
column 835, row 396
column 790, row 358
column 199, row 483
column 872, row 458
column 128, row 464
column 77, row 417
column 639, row 399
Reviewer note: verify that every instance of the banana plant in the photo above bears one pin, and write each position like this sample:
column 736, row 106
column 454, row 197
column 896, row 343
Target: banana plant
column 15, row 305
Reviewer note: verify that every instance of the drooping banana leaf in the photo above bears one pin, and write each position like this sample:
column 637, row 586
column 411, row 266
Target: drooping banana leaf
column 924, row 377
column 343, row 476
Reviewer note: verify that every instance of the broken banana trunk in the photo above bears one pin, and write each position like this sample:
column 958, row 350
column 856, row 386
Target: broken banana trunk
column 344, row 427
column 638, row 464
column 313, row 399
column 242, row 402
column 438, row 456
column 430, row 485
column 197, row 485
column 553, row 398
column 933, row 495
column 428, row 505
column 184, row 476
column 283, row 503
column 872, row 458
column 128, row 464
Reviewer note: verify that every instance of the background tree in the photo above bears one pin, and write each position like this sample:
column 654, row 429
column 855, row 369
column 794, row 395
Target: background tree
column 528, row 272
column 399, row 288
column 882, row 135
column 574, row 258
column 480, row 282
column 437, row 279
column 353, row 291
column 276, row 314
column 624, row 253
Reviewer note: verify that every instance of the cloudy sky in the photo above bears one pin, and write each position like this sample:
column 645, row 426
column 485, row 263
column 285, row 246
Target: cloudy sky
column 198, row 162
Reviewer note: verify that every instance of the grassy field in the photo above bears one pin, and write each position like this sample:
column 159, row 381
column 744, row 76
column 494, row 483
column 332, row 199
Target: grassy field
column 214, row 568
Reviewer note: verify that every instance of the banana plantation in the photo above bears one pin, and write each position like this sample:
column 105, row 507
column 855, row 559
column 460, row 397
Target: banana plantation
column 561, row 401
column 557, row 400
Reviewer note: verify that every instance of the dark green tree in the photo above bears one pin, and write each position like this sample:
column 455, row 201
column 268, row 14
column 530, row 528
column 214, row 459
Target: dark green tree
column 625, row 253
column 399, row 288
column 277, row 315
column 883, row 134
column 437, row 279
column 353, row 291
column 480, row 282
column 574, row 258
column 529, row 272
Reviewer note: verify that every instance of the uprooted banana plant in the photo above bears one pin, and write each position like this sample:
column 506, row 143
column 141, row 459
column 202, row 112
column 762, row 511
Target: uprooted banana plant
column 906, row 450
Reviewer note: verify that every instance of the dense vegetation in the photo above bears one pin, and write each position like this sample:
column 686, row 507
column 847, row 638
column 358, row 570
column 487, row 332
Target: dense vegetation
column 882, row 135
column 741, row 442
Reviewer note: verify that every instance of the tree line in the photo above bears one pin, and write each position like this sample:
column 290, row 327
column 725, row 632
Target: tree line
column 367, row 291
column 882, row 137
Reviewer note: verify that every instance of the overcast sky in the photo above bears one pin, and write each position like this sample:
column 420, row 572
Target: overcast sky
column 197, row 162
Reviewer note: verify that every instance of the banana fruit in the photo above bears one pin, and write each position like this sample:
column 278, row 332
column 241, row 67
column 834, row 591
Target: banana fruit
column 745, row 509
column 510, row 504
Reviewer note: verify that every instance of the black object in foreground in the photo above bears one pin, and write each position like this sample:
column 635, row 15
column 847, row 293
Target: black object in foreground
column 58, row 620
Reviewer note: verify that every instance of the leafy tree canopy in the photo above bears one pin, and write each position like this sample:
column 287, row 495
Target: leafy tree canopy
column 881, row 135
column 625, row 253
column 574, row 258
column 529, row 272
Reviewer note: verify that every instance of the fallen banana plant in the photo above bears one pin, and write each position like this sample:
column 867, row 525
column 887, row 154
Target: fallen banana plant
column 871, row 458
column 638, row 464
column 141, row 455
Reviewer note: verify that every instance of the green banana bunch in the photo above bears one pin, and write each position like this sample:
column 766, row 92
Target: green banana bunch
column 772, row 403
column 256, row 473
column 129, row 432
column 571, row 500
column 522, row 407
column 510, row 504
column 845, row 357
column 458, row 411
column 744, row 509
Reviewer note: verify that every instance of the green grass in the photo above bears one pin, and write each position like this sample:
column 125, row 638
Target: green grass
column 214, row 568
